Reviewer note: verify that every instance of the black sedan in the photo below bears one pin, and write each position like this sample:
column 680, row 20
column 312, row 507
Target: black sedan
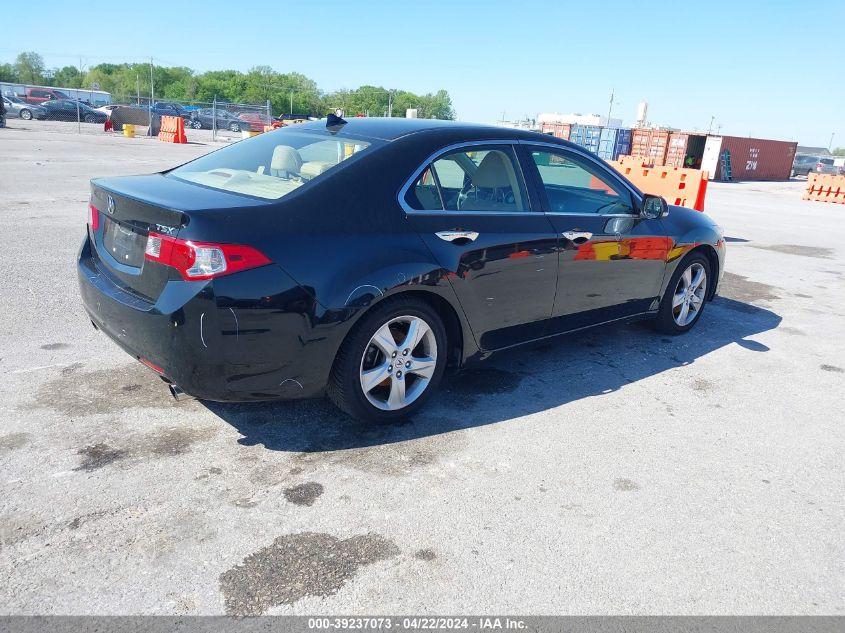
column 362, row 259
column 226, row 120
column 69, row 110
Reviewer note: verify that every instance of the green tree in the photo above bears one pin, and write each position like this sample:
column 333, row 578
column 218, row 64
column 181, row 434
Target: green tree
column 839, row 151
column 291, row 93
column 30, row 67
column 67, row 77
column 8, row 73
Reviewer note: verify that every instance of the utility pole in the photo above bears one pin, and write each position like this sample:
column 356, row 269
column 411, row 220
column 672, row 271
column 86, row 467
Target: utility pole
column 610, row 108
column 152, row 95
column 78, row 121
column 389, row 103
column 710, row 128
column 830, row 145
column 137, row 90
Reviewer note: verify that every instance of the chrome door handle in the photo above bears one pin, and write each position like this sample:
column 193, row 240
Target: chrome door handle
column 454, row 236
column 577, row 235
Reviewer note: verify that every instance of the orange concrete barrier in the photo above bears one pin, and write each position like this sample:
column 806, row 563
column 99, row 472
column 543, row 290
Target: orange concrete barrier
column 172, row 130
column 825, row 188
column 680, row 186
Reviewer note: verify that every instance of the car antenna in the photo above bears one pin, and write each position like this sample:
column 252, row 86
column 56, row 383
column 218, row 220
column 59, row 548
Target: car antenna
column 334, row 121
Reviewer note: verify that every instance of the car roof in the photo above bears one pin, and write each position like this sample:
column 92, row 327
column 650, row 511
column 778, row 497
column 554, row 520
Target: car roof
column 390, row 129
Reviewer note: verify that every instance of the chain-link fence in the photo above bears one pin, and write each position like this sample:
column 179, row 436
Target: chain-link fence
column 222, row 119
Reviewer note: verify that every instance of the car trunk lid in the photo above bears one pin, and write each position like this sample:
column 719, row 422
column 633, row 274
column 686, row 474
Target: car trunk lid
column 121, row 239
column 130, row 208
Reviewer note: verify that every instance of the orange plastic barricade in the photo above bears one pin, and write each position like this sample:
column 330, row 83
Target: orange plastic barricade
column 680, row 186
column 825, row 188
column 172, row 130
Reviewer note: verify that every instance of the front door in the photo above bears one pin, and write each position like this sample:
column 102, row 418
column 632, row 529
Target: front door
column 472, row 209
column 611, row 261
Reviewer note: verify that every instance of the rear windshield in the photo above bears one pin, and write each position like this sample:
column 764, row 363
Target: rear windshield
column 271, row 165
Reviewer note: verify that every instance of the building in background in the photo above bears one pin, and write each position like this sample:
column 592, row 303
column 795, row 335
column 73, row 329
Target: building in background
column 595, row 120
column 524, row 124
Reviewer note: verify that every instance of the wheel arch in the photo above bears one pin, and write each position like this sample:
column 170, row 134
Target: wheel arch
column 459, row 337
column 713, row 258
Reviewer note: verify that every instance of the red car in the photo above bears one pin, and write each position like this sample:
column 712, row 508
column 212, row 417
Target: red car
column 255, row 120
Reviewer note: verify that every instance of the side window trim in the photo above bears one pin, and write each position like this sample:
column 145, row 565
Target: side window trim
column 513, row 144
column 437, row 186
column 636, row 195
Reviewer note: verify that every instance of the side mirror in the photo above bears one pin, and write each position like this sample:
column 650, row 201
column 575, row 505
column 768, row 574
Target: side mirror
column 653, row 207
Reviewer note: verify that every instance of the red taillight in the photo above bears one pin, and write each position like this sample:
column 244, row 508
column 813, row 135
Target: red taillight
column 93, row 217
column 202, row 260
column 819, row 166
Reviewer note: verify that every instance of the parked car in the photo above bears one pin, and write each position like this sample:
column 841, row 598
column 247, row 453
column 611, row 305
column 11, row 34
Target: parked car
column 42, row 95
column 804, row 164
column 107, row 109
column 16, row 107
column 254, row 120
column 226, row 120
column 361, row 259
column 168, row 108
column 68, row 110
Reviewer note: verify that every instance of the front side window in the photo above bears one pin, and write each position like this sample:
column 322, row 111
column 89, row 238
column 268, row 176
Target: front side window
column 573, row 185
column 271, row 165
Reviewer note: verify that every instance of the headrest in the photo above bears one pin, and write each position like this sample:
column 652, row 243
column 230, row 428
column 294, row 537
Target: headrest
column 286, row 158
column 493, row 172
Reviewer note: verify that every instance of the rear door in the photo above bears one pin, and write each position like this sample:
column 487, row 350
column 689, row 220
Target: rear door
column 611, row 261
column 471, row 207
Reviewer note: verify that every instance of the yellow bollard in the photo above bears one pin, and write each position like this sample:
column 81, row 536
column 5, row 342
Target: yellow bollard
column 128, row 130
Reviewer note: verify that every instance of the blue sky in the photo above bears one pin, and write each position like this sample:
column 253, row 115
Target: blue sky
column 766, row 69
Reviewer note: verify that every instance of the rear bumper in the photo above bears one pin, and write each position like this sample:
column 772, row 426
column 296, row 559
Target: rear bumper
column 212, row 341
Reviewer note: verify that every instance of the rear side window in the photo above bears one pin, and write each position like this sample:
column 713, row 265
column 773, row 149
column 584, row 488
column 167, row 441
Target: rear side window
column 826, row 161
column 271, row 165
column 424, row 195
column 480, row 179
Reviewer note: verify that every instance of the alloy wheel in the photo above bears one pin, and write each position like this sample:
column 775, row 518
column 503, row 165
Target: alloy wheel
column 398, row 363
column 689, row 295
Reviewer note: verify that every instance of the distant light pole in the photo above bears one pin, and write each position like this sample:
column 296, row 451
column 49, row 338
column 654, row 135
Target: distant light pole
column 710, row 129
column 610, row 107
column 830, row 145
column 152, row 96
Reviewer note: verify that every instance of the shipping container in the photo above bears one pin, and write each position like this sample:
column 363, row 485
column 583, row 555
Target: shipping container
column 650, row 145
column 587, row 136
column 750, row 158
column 683, row 146
column 614, row 142
column 558, row 130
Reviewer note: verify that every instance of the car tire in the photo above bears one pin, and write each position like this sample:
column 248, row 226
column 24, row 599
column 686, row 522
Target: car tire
column 234, row 127
column 197, row 124
column 90, row 118
column 25, row 114
column 398, row 395
column 680, row 309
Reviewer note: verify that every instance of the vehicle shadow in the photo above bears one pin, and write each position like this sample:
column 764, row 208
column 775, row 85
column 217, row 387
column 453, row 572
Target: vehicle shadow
column 509, row 385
